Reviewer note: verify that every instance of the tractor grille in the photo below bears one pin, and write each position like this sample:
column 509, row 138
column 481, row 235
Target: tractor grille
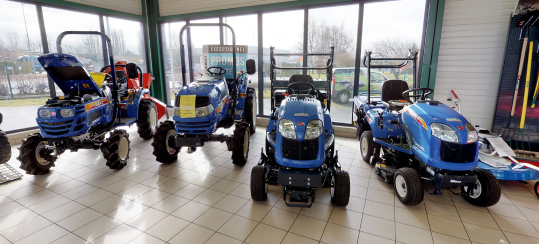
column 59, row 128
column 457, row 153
column 94, row 115
column 300, row 150
column 201, row 126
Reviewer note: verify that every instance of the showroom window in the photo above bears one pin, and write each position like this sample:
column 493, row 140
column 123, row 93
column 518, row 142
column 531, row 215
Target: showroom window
column 23, row 84
column 127, row 39
column 284, row 31
column 171, row 56
column 331, row 26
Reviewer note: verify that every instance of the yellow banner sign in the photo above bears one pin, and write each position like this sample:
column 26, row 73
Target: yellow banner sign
column 187, row 106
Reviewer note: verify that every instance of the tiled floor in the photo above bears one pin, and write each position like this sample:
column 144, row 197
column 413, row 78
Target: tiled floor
column 204, row 198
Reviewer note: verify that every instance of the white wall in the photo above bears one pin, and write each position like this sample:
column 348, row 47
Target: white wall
column 173, row 7
column 471, row 53
column 128, row 6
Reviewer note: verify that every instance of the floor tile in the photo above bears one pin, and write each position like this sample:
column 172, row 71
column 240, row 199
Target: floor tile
column 280, row 218
column 445, row 239
column 230, row 203
column 379, row 227
column 167, row 228
column 412, row 235
column 477, row 218
column 516, row 238
column 253, row 210
column 79, row 219
column 63, row 211
column 47, row 235
column 379, row 210
column 25, row 228
column 506, row 210
column 146, row 239
column 338, row 234
column 127, row 211
column 225, row 186
column 190, row 191
column 170, row 204
column 109, row 204
column 447, row 226
column 191, row 211
column 151, row 197
column 209, row 197
column 238, row 227
column 193, row 234
column 484, row 235
column 97, row 228
column 121, row 234
column 307, row 226
column 265, row 234
column 345, row 218
column 146, row 219
column 413, row 218
column 369, row 238
column 219, row 238
column 381, row 196
column 70, row 239
column 516, row 226
column 94, row 197
column 292, row 238
column 442, row 210
column 213, row 219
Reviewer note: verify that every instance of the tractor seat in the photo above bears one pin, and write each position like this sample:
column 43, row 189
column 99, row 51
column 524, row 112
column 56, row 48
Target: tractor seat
column 301, row 85
column 301, row 78
column 392, row 97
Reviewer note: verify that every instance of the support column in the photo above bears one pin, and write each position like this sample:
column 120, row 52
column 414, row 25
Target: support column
column 431, row 48
column 150, row 10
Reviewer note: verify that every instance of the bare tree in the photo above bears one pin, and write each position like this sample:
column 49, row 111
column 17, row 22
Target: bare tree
column 322, row 35
column 394, row 48
column 118, row 42
column 13, row 43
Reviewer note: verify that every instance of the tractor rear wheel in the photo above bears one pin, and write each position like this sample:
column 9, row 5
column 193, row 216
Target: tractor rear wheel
column 163, row 139
column 408, row 186
column 366, row 145
column 340, row 188
column 240, row 144
column 259, row 183
column 5, row 148
column 116, row 149
column 487, row 191
column 147, row 119
column 250, row 110
column 35, row 158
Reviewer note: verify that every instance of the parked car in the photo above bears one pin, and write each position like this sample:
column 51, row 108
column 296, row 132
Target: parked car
column 343, row 82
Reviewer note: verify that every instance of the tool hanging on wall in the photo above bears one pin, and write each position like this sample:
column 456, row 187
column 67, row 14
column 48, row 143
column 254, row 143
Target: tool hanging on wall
column 523, row 32
column 536, row 83
column 526, row 88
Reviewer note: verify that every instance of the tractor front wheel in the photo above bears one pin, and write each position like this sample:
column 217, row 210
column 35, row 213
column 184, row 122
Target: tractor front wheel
column 240, row 144
column 259, row 183
column 163, row 143
column 35, row 158
column 5, row 148
column 487, row 190
column 340, row 188
column 116, row 149
column 407, row 184
column 147, row 119
column 250, row 110
column 366, row 145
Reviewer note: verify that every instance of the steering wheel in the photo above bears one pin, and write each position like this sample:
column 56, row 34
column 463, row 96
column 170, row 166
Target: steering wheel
column 423, row 96
column 220, row 71
column 300, row 88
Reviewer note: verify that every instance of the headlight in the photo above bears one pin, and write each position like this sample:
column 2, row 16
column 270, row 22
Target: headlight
column 177, row 111
column 444, row 132
column 44, row 113
column 287, row 129
column 314, row 129
column 204, row 111
column 472, row 134
column 66, row 112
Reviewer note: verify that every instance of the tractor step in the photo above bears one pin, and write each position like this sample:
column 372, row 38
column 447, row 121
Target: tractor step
column 401, row 147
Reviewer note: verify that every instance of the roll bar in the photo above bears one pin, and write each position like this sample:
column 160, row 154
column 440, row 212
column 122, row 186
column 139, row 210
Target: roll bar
column 182, row 52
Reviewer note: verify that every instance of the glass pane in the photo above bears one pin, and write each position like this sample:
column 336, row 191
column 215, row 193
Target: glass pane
column 23, row 82
column 171, row 56
column 387, row 40
column 284, row 31
column 245, row 29
column 127, row 41
column 336, row 26
column 202, row 36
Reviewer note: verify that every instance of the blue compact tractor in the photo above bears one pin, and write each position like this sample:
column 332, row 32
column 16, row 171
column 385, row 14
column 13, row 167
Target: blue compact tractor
column 411, row 143
column 87, row 112
column 219, row 99
column 300, row 143
column 5, row 147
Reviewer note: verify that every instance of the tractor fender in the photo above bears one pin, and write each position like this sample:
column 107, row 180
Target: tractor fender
column 161, row 107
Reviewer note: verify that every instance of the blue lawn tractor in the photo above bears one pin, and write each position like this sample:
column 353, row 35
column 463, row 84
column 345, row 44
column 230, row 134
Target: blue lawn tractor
column 300, row 142
column 207, row 103
column 5, row 147
column 411, row 143
column 87, row 112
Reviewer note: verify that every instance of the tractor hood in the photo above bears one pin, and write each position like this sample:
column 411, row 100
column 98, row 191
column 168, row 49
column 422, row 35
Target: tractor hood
column 69, row 74
column 301, row 111
column 210, row 88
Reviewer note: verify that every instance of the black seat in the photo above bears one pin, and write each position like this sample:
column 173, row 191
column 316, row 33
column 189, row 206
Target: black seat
column 301, row 78
column 392, row 90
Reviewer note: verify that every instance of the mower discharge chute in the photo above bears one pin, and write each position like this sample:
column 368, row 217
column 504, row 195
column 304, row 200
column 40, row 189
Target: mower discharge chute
column 409, row 143
column 300, row 142
column 87, row 112
column 216, row 100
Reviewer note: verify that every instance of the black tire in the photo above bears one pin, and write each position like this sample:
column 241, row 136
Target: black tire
column 259, row 183
column 32, row 161
column 240, row 151
column 340, row 188
column 343, row 97
column 359, row 130
column 161, row 150
column 408, row 186
column 366, row 145
column 489, row 189
column 147, row 119
column 250, row 110
column 116, row 149
column 5, row 148
column 536, row 188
